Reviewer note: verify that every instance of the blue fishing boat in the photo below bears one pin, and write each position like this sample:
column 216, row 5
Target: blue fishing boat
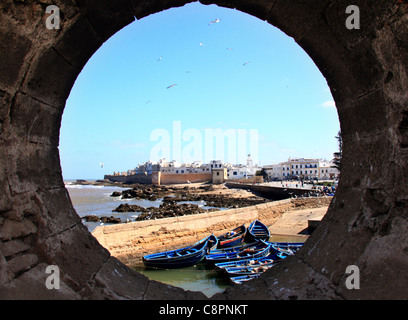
column 257, row 250
column 241, row 279
column 272, row 257
column 287, row 247
column 257, row 231
column 232, row 238
column 288, row 244
column 249, row 270
column 183, row 257
column 234, row 248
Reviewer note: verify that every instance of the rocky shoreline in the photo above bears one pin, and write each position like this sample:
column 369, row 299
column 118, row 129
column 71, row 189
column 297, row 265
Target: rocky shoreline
column 173, row 205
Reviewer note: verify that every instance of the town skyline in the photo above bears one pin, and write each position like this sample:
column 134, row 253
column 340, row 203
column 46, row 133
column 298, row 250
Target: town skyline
column 308, row 168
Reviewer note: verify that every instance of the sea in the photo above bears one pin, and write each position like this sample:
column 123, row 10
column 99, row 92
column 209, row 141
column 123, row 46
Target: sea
column 97, row 200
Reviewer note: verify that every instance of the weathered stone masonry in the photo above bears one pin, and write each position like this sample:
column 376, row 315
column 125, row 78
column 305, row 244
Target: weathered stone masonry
column 366, row 70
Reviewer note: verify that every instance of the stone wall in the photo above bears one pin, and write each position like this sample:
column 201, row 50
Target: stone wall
column 179, row 178
column 130, row 241
column 160, row 178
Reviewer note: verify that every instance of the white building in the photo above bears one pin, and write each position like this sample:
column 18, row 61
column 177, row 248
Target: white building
column 302, row 168
column 216, row 164
column 241, row 171
column 275, row 171
column 175, row 167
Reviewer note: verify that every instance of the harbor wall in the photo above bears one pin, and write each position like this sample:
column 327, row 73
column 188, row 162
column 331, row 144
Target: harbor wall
column 130, row 241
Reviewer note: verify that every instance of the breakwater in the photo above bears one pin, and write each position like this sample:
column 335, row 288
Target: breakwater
column 130, row 241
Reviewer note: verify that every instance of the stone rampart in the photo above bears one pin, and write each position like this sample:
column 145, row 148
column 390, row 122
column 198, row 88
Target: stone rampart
column 184, row 178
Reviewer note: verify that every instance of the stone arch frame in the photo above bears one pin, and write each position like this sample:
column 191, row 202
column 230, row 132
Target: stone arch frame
column 366, row 70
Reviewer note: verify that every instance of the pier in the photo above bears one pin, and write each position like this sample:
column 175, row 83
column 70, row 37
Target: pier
column 274, row 192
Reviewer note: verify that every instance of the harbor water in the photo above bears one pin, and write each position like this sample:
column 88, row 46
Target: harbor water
column 97, row 200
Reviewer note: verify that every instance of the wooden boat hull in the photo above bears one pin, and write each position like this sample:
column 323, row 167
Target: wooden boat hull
column 181, row 258
column 257, row 231
column 288, row 248
column 273, row 257
column 243, row 271
column 241, row 279
column 258, row 250
column 232, row 238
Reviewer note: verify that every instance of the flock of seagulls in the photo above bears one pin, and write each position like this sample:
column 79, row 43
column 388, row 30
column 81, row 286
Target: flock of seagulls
column 201, row 45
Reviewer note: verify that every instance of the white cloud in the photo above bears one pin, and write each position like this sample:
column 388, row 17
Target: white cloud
column 329, row 104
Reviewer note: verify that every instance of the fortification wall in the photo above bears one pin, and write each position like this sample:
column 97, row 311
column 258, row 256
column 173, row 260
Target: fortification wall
column 161, row 178
column 184, row 178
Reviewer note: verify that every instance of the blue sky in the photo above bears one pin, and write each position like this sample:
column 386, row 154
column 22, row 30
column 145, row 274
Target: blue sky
column 121, row 95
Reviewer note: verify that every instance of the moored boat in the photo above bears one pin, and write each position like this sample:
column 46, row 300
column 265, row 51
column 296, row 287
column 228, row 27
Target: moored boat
column 241, row 279
column 272, row 257
column 249, row 270
column 234, row 248
column 257, row 231
column 183, row 257
column 232, row 238
column 256, row 250
column 289, row 248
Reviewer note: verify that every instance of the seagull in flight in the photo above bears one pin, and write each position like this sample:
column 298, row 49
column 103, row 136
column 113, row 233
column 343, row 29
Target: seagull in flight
column 171, row 86
column 160, row 58
column 214, row 21
column 202, row 44
column 246, row 63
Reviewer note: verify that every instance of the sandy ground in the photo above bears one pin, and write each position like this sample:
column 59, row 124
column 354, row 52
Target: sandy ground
column 295, row 221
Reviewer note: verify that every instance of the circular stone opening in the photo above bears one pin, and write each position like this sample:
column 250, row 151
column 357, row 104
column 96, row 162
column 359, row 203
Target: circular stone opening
column 366, row 69
column 122, row 112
